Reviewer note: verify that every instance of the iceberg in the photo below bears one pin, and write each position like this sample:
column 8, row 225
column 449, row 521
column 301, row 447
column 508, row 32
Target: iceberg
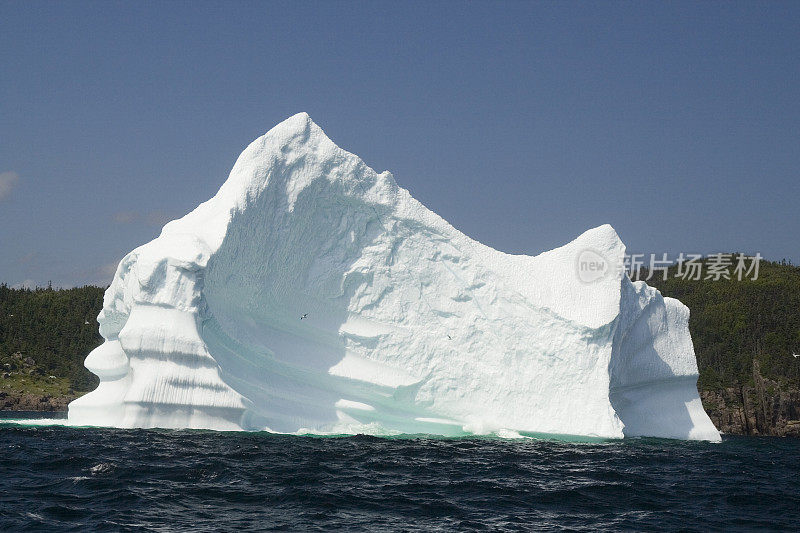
column 312, row 294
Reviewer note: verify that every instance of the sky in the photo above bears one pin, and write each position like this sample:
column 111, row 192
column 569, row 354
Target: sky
column 522, row 123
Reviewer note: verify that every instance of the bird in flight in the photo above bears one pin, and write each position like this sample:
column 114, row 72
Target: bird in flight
column 795, row 354
column 305, row 315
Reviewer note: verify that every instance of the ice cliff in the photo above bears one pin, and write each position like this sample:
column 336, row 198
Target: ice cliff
column 410, row 326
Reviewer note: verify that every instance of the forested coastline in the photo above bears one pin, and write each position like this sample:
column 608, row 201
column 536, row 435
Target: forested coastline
column 45, row 334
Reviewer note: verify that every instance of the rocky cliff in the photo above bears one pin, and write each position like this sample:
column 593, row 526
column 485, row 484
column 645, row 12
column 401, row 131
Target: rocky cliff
column 760, row 408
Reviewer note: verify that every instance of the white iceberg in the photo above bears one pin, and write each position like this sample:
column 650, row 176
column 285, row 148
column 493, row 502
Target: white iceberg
column 312, row 294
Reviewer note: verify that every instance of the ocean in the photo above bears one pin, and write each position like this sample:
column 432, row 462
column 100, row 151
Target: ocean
column 56, row 478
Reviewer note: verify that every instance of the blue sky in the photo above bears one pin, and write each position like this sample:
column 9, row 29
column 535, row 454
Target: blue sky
column 523, row 124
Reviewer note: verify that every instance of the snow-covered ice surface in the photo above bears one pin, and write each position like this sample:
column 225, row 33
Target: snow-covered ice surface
column 411, row 326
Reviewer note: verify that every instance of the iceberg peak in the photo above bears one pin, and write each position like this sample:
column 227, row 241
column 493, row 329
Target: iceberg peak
column 298, row 127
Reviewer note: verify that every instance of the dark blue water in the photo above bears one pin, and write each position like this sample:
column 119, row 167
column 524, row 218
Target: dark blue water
column 59, row 478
